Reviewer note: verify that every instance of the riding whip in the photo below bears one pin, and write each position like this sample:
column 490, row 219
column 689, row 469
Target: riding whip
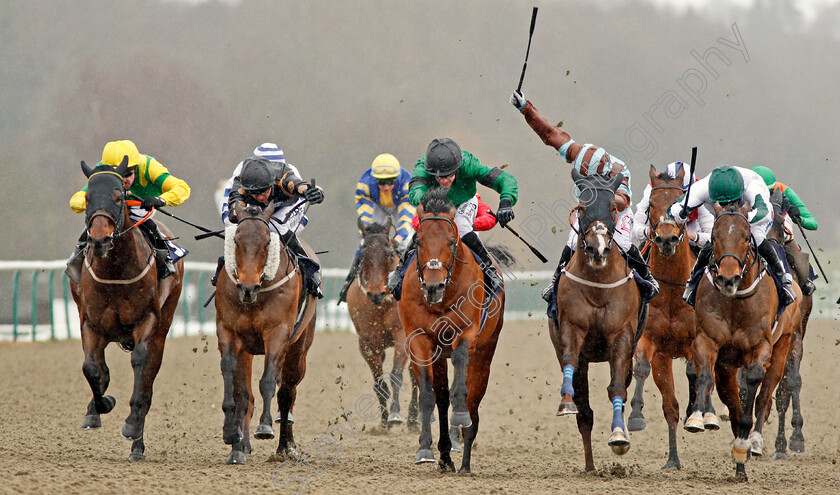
column 812, row 252
column 690, row 178
column 528, row 51
column 199, row 227
column 532, row 248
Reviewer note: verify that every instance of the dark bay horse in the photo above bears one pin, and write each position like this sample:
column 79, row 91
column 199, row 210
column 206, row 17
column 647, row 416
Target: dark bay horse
column 376, row 319
column 669, row 331
column 736, row 327
column 120, row 299
column 597, row 314
column 446, row 312
column 257, row 299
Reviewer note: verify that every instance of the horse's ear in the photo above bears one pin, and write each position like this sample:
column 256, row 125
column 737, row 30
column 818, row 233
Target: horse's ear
column 718, row 208
column 745, row 209
column 616, row 182
column 576, row 176
column 681, row 174
column 123, row 168
column 388, row 224
column 360, row 225
column 652, row 173
column 268, row 211
column 86, row 170
column 420, row 210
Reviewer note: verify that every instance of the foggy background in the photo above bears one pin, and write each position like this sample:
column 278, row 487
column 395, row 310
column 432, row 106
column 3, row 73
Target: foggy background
column 199, row 84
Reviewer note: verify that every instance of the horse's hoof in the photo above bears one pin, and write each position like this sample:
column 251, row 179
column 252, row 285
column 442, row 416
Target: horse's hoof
column 636, row 424
column 109, row 402
column 465, row 472
column 710, row 422
column 567, row 408
column 264, row 432
column 423, row 456
column 231, row 436
column 395, row 419
column 136, row 457
column 756, row 444
column 279, row 418
column 461, row 419
column 619, row 443
column 92, row 422
column 236, row 457
column 780, row 456
column 694, row 423
column 672, row 465
column 741, row 473
column 797, row 444
column 446, row 467
column 455, row 439
column 131, row 431
column 740, row 450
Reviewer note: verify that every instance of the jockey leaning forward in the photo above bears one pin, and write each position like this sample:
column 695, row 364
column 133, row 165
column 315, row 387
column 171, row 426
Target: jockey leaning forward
column 700, row 222
column 797, row 213
column 588, row 159
column 266, row 178
column 147, row 180
column 446, row 165
column 727, row 185
column 382, row 193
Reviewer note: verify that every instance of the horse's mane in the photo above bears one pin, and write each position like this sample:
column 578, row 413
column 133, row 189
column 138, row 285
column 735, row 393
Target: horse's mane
column 376, row 228
column 252, row 210
column 436, row 201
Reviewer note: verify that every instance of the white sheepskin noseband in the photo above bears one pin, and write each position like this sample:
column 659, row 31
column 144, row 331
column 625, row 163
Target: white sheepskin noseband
column 271, row 264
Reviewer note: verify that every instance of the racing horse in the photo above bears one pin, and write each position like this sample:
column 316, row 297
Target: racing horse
column 262, row 307
column 737, row 326
column 597, row 314
column 447, row 312
column 120, row 299
column 669, row 331
column 373, row 311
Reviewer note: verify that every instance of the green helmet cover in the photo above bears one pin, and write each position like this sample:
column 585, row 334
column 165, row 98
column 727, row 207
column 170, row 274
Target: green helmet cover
column 766, row 174
column 725, row 184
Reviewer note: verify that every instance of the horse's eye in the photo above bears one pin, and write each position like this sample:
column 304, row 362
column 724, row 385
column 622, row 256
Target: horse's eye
column 118, row 200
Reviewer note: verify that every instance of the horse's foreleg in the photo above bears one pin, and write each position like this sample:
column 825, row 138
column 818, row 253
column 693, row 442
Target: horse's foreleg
column 702, row 415
column 460, row 360
column 797, row 440
column 294, row 368
column 663, row 376
column 641, row 370
column 691, row 376
column 413, row 409
column 276, row 346
column 763, row 403
column 585, row 415
column 397, row 385
column 621, row 356
column 98, row 377
column 145, row 360
column 478, row 374
column 427, row 404
column 440, row 384
column 373, row 350
column 567, row 341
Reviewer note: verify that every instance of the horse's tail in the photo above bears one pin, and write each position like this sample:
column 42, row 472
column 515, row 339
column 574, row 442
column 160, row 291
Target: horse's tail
column 502, row 254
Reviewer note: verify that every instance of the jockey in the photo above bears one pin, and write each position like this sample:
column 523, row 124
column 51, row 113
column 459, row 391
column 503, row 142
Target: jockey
column 699, row 227
column 148, row 180
column 446, row 165
column 266, row 177
column 727, row 185
column 382, row 192
column 588, row 159
column 797, row 213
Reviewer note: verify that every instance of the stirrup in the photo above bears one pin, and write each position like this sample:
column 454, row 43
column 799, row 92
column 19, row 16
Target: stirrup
column 547, row 292
column 808, row 288
column 688, row 294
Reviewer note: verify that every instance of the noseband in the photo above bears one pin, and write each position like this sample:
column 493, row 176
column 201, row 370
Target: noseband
column 234, row 277
column 743, row 264
column 361, row 285
column 434, row 263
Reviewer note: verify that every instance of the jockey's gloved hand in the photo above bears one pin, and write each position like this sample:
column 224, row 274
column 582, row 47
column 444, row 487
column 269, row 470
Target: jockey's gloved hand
column 505, row 213
column 314, row 195
column 682, row 215
column 795, row 214
column 152, row 202
column 518, row 100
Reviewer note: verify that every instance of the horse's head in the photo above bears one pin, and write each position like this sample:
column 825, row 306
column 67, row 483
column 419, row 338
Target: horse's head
column 105, row 212
column 780, row 204
column 378, row 258
column 596, row 215
column 733, row 246
column 437, row 244
column 251, row 249
column 665, row 233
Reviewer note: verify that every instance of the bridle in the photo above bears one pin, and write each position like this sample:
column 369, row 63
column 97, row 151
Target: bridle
column 666, row 221
column 434, row 263
column 359, row 282
column 751, row 251
column 118, row 220
column 235, row 277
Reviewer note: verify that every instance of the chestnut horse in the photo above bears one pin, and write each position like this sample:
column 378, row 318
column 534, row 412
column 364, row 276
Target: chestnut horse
column 736, row 310
column 257, row 297
column 374, row 313
column 597, row 314
column 669, row 331
column 120, row 299
column 447, row 312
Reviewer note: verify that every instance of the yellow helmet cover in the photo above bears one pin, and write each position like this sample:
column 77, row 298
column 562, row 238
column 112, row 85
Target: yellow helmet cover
column 385, row 166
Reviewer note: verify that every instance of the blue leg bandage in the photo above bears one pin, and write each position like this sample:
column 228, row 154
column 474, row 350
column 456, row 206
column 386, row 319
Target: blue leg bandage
column 618, row 408
column 568, row 373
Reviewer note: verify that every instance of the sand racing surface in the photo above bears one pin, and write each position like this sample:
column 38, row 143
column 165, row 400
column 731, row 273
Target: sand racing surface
column 522, row 447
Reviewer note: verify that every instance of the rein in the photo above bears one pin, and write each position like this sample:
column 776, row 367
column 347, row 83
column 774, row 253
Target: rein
column 434, row 263
column 752, row 252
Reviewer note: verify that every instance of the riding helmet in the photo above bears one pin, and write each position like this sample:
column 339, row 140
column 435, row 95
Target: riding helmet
column 114, row 152
column 257, row 174
column 443, row 157
column 768, row 176
column 725, row 184
column 385, row 166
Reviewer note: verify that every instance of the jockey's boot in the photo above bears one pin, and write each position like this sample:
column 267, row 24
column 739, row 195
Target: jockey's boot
column 637, row 263
column 472, row 240
column 548, row 291
column 219, row 264
column 394, row 278
column 312, row 282
column 74, row 264
column 765, row 249
column 351, row 275
column 703, row 258
column 808, row 287
column 165, row 267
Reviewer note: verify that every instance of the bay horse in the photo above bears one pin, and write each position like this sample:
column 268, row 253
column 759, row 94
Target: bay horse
column 446, row 312
column 120, row 299
column 670, row 329
column 258, row 293
column 597, row 314
column 374, row 313
column 735, row 311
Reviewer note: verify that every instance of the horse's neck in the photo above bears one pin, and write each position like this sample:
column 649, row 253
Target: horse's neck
column 461, row 279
